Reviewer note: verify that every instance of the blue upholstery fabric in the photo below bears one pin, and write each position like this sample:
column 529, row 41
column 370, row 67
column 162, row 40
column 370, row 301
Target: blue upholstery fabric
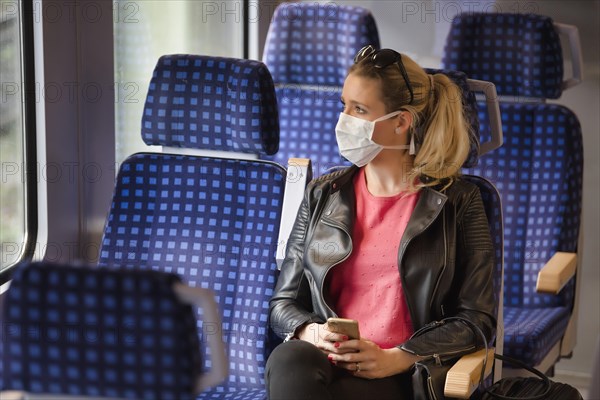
column 229, row 393
column 519, row 53
column 309, row 49
column 539, row 172
column 98, row 332
column 529, row 333
column 308, row 119
column 314, row 44
column 215, row 222
column 213, row 103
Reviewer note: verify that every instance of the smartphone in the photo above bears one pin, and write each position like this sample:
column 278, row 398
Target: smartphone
column 348, row 327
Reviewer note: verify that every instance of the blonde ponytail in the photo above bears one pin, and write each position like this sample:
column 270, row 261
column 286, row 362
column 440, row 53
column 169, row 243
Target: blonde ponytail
column 445, row 136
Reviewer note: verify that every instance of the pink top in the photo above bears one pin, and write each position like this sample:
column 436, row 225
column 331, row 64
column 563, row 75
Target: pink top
column 367, row 286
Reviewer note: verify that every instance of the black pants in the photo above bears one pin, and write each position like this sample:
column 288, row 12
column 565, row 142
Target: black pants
column 297, row 370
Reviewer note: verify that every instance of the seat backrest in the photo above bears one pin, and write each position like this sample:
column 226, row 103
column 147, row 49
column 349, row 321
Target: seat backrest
column 539, row 175
column 314, row 44
column 212, row 220
column 519, row 53
column 539, row 168
column 308, row 120
column 98, row 332
column 309, row 49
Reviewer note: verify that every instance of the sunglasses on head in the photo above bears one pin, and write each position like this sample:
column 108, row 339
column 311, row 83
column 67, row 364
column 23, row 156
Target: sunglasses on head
column 382, row 59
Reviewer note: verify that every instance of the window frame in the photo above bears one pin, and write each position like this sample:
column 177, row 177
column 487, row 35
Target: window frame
column 26, row 26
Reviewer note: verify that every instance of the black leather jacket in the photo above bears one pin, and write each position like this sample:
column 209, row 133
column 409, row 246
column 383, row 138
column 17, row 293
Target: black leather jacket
column 445, row 259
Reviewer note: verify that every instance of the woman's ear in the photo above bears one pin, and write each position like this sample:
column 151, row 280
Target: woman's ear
column 405, row 120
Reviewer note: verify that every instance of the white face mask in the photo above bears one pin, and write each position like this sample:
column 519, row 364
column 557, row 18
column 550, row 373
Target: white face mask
column 355, row 139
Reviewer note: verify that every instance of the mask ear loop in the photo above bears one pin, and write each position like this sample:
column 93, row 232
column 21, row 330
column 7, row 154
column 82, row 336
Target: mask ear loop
column 412, row 150
column 416, row 133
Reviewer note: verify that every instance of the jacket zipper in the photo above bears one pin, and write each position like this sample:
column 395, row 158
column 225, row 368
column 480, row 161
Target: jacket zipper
column 336, row 263
column 410, row 307
column 437, row 284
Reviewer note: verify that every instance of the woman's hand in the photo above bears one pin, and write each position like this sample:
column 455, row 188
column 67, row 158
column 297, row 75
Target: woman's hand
column 367, row 360
column 323, row 338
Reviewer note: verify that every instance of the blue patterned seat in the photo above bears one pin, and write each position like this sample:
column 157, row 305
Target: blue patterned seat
column 212, row 220
column 98, row 332
column 538, row 170
column 314, row 44
column 309, row 49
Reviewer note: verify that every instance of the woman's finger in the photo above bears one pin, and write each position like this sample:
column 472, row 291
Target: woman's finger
column 331, row 336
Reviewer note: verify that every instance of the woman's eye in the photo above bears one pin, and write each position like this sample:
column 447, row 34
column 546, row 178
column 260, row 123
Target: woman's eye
column 359, row 110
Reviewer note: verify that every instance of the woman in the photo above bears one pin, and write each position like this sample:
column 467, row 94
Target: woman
column 396, row 241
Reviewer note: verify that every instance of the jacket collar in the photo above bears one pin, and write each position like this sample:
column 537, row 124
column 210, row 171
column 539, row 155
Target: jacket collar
column 342, row 178
column 430, row 203
column 426, row 210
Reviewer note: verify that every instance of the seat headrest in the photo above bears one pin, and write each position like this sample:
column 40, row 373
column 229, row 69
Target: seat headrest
column 314, row 44
column 470, row 106
column 75, row 318
column 520, row 53
column 211, row 103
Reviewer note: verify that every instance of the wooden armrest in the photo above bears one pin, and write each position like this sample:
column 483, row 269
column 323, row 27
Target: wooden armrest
column 12, row 395
column 299, row 162
column 463, row 378
column 556, row 273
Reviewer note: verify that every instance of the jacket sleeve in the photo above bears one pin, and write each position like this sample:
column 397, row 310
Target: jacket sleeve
column 473, row 281
column 291, row 304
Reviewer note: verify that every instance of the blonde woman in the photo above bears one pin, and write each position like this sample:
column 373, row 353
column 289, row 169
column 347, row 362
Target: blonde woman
column 395, row 242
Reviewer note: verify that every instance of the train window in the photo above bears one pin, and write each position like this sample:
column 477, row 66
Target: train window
column 17, row 135
column 146, row 30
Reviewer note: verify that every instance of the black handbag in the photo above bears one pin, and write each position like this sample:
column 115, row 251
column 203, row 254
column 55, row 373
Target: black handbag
column 428, row 379
column 529, row 388
column 429, row 375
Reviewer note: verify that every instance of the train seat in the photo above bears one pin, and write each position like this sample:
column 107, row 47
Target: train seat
column 538, row 172
column 308, row 50
column 206, row 208
column 105, row 333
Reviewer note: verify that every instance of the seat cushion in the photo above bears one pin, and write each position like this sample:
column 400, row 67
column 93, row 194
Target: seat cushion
column 230, row 393
column 530, row 333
